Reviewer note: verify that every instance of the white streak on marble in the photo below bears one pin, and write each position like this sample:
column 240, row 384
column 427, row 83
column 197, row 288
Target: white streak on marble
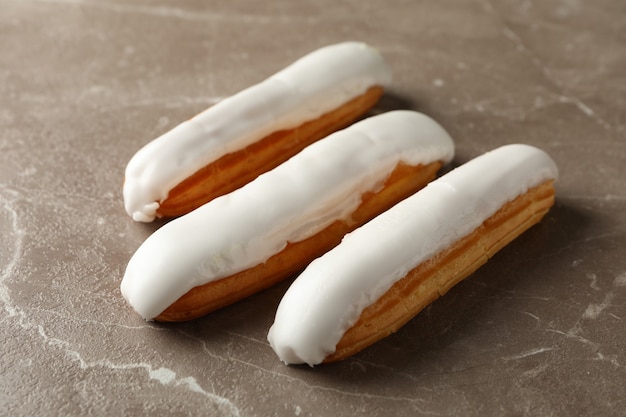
column 438, row 82
column 202, row 343
column 532, row 315
column 396, row 371
column 230, row 358
column 581, row 106
column 276, row 374
column 521, row 46
column 594, row 310
column 167, row 102
column 531, row 352
column 514, row 294
column 620, row 280
column 573, row 334
column 594, row 281
column 578, row 242
column 309, row 386
column 16, row 238
column 612, row 359
column 411, row 400
column 163, row 375
column 509, row 107
column 263, row 342
column 105, row 324
column 606, row 197
column 176, row 13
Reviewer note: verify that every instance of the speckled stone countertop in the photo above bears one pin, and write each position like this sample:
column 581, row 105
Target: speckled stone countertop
column 540, row 330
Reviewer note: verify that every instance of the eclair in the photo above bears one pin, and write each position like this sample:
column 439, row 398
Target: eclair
column 271, row 228
column 253, row 131
column 384, row 273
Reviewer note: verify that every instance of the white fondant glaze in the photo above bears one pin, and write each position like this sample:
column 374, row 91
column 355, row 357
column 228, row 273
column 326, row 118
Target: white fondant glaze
column 310, row 87
column 320, row 185
column 329, row 296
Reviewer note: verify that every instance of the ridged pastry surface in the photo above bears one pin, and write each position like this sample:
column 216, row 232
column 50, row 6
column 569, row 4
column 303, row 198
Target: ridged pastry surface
column 312, row 86
column 238, row 168
column 324, row 183
column 328, row 298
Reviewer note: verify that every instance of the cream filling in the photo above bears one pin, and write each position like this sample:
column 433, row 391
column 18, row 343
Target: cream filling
column 299, row 198
column 310, row 87
column 329, row 296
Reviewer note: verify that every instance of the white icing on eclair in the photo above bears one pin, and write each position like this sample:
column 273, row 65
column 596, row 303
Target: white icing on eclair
column 329, row 296
column 310, row 87
column 297, row 199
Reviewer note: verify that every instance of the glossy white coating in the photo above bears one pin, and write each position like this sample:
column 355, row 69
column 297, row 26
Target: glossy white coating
column 310, row 87
column 320, row 185
column 329, row 296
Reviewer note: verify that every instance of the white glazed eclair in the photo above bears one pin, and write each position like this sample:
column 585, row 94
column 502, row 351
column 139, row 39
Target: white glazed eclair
column 385, row 272
column 248, row 240
column 237, row 139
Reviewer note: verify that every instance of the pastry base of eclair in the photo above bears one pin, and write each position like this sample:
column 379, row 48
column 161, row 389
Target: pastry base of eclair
column 433, row 278
column 402, row 182
column 236, row 169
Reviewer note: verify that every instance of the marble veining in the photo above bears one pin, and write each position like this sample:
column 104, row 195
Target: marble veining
column 539, row 330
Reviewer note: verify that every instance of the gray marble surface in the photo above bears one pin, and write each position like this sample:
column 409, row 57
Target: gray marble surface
column 540, row 330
